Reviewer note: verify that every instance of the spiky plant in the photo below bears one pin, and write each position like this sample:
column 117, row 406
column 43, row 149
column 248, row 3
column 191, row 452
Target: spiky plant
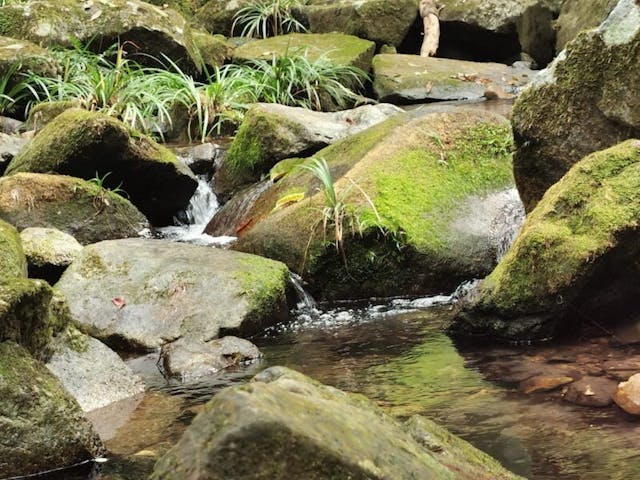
column 265, row 18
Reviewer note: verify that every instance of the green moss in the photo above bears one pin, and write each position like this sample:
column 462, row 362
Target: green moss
column 263, row 283
column 214, row 49
column 12, row 260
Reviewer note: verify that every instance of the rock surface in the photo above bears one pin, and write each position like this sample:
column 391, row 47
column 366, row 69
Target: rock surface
column 425, row 176
column 272, row 132
column 411, row 79
column 92, row 145
column 10, row 146
column 49, row 247
column 140, row 294
column 284, row 425
column 576, row 253
column 591, row 392
column 153, row 31
column 13, row 262
column 587, row 100
column 188, row 360
column 627, row 396
column 81, row 209
column 578, row 15
column 25, row 56
column 42, row 426
column 91, row 372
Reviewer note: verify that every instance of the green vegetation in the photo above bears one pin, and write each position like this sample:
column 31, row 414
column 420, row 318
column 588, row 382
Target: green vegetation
column 265, row 18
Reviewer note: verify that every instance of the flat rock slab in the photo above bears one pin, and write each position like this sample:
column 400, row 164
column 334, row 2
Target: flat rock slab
column 93, row 373
column 141, row 294
column 411, row 79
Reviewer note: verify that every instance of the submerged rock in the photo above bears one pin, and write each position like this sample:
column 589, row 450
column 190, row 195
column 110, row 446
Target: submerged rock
column 91, row 372
column 587, row 100
column 146, row 28
column 92, row 145
column 188, row 359
column 272, row 132
column 591, row 392
column 141, row 294
column 284, row 425
column 13, row 262
column 627, row 396
column 424, row 176
column 576, row 256
column 42, row 426
column 81, row 209
column 410, row 79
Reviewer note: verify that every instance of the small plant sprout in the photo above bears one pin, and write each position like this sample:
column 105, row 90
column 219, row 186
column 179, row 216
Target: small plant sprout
column 101, row 200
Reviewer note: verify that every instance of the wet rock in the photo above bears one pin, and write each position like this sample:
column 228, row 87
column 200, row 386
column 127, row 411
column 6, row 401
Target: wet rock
column 42, row 426
column 627, row 395
column 13, row 262
column 271, row 132
column 81, row 209
column 338, row 48
column 91, row 372
column 543, row 383
column 152, row 30
column 48, row 250
column 586, row 100
column 424, row 176
column 285, row 425
column 622, row 369
column 410, row 79
column 92, row 145
column 591, row 392
column 141, row 294
column 200, row 158
column 575, row 253
column 10, row 146
column 187, row 359
column 578, row 15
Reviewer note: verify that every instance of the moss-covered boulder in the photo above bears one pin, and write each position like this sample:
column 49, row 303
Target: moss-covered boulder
column 587, row 100
column 284, row 425
column 411, row 79
column 140, row 294
column 217, row 16
column 578, row 15
column 433, row 181
column 153, row 30
column 30, row 314
column 42, row 427
column 214, row 49
column 22, row 56
column 338, row 48
column 42, row 113
column 13, row 262
column 82, row 209
column 92, row 145
column 271, row 132
column 575, row 258
column 380, row 21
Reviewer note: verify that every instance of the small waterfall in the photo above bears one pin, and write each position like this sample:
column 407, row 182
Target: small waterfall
column 190, row 223
column 305, row 300
column 506, row 225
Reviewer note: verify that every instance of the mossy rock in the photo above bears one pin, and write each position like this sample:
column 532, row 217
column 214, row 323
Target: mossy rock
column 271, row 132
column 29, row 315
column 82, row 209
column 338, row 48
column 49, row 246
column 13, row 262
column 170, row 290
column 26, row 55
column 411, row 79
column 214, row 49
column 423, row 175
column 92, row 145
column 217, row 16
column 380, row 21
column 576, row 256
column 42, row 427
column 285, row 425
column 154, row 31
column 578, row 15
column 42, row 113
column 185, row 7
column 587, row 100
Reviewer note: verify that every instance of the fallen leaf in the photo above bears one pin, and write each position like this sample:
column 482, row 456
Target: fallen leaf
column 118, row 302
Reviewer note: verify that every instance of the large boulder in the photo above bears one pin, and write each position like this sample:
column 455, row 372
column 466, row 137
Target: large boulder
column 271, row 132
column 42, row 427
column 338, row 48
column 13, row 262
column 576, row 256
column 435, row 182
column 411, row 79
column 92, row 145
column 381, row 21
column 74, row 206
column 578, row 15
column 152, row 30
column 140, row 294
column 284, row 425
column 587, row 100
column 91, row 372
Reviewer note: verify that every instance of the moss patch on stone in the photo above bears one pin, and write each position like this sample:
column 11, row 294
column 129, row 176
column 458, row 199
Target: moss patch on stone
column 12, row 259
